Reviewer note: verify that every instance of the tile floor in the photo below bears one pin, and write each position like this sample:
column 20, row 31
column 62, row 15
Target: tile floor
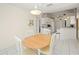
column 67, row 47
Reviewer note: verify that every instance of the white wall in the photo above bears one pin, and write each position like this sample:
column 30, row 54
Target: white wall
column 13, row 21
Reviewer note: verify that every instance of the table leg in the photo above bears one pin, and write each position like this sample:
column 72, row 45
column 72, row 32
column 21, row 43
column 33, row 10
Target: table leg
column 38, row 51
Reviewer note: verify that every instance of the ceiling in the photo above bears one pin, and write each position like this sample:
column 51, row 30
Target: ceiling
column 46, row 7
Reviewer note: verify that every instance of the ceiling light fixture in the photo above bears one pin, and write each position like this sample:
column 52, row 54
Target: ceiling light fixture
column 36, row 11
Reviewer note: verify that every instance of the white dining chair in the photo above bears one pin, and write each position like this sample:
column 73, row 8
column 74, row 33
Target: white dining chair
column 49, row 49
column 21, row 49
column 19, row 44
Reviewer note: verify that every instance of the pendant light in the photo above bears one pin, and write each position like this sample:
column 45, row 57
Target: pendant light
column 36, row 11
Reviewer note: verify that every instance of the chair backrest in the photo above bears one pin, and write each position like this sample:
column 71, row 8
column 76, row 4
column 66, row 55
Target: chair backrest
column 52, row 43
column 18, row 44
column 17, row 38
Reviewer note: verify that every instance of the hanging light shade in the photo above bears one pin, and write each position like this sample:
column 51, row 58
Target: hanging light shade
column 35, row 12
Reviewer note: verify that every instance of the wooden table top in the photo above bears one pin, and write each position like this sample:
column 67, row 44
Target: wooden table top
column 37, row 41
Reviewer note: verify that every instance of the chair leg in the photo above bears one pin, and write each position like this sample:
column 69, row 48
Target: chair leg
column 38, row 51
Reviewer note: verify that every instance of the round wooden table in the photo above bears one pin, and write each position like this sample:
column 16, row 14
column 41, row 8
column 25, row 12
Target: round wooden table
column 37, row 41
